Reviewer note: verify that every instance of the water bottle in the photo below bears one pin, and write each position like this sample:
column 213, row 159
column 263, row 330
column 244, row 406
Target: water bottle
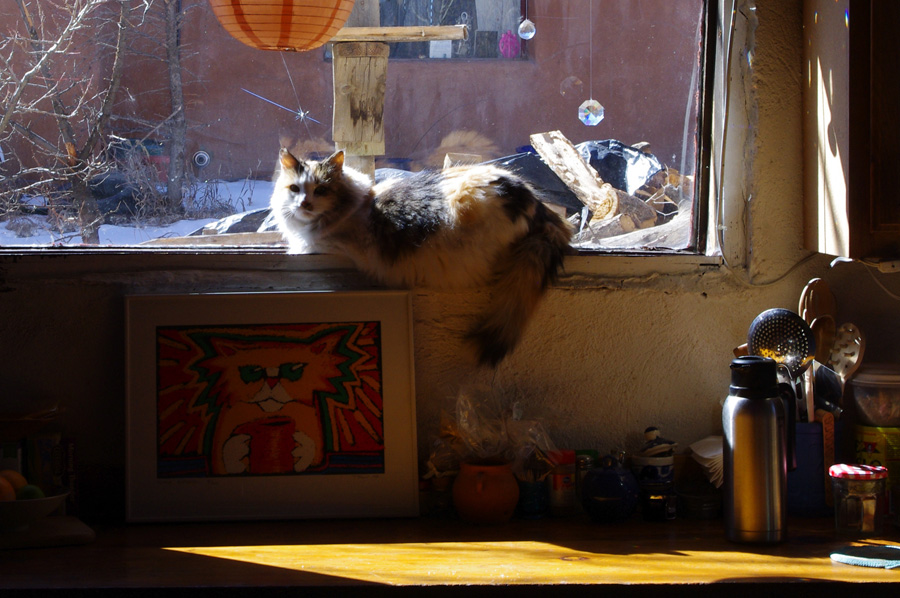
column 755, row 459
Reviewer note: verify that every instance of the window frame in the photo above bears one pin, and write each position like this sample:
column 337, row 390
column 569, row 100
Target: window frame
column 712, row 187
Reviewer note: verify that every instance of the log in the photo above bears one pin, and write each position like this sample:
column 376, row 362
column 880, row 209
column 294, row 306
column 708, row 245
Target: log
column 611, row 227
column 602, row 199
column 564, row 160
column 452, row 159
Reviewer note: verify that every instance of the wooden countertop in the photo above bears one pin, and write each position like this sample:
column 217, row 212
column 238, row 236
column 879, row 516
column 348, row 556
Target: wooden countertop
column 376, row 557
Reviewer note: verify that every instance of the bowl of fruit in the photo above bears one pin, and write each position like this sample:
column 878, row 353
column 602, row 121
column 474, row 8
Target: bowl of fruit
column 22, row 504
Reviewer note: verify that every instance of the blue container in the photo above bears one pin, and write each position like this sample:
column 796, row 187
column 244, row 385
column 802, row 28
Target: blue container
column 806, row 495
column 611, row 492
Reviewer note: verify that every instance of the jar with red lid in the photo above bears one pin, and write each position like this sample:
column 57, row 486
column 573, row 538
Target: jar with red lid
column 860, row 500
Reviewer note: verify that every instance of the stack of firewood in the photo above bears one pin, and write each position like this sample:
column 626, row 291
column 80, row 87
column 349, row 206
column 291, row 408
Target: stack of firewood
column 665, row 198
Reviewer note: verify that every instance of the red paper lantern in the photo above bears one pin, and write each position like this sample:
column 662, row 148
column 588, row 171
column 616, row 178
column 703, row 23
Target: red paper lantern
column 282, row 24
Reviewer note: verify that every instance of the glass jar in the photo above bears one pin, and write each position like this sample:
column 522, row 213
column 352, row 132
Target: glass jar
column 561, row 483
column 860, row 499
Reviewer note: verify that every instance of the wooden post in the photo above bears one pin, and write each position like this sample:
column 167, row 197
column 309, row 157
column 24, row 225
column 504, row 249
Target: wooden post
column 360, row 80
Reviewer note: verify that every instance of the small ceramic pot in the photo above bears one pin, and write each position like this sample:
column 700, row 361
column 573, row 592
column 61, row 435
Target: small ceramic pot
column 485, row 493
column 653, row 470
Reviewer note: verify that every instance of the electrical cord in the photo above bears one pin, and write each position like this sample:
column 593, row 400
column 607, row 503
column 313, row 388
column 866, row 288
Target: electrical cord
column 869, row 267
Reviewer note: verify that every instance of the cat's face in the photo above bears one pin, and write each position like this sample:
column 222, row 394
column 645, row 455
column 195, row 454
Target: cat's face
column 306, row 191
column 270, row 374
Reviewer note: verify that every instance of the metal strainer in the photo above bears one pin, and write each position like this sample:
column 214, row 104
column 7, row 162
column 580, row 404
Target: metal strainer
column 785, row 337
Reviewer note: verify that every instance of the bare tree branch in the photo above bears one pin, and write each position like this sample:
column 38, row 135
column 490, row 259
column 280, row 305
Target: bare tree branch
column 44, row 56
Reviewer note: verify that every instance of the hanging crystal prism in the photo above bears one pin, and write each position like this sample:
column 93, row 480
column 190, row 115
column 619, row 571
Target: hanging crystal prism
column 590, row 112
column 526, row 29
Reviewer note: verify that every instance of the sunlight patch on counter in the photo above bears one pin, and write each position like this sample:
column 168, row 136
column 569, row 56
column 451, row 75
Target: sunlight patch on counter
column 517, row 563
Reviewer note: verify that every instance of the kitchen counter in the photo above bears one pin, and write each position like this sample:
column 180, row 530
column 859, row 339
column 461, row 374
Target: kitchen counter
column 441, row 556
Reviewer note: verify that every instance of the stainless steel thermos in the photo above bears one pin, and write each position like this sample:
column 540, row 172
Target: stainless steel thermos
column 755, row 460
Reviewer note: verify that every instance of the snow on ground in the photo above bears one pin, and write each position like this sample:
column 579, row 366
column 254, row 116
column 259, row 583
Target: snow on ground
column 242, row 196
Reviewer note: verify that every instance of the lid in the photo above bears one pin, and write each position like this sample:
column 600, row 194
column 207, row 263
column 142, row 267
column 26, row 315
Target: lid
column 562, row 457
column 844, row 471
column 887, row 374
column 584, row 459
column 754, row 377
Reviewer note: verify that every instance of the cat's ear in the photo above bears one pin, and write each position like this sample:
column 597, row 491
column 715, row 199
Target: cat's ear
column 288, row 161
column 335, row 162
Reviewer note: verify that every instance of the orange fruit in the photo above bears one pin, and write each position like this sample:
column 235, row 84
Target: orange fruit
column 7, row 492
column 15, row 478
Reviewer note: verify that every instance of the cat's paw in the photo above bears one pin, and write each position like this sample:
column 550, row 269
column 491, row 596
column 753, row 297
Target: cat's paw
column 235, row 452
column 299, row 246
column 304, row 453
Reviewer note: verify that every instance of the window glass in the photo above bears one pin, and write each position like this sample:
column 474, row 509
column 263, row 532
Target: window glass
column 493, row 28
column 145, row 122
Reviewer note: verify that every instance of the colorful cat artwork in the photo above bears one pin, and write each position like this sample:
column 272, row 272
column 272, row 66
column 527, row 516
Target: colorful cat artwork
column 269, row 400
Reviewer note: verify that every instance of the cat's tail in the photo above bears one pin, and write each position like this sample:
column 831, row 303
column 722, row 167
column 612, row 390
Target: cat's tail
column 532, row 264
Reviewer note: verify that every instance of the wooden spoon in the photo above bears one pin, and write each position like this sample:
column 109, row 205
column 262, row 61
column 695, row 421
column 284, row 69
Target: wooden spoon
column 817, row 300
column 803, row 306
column 823, row 328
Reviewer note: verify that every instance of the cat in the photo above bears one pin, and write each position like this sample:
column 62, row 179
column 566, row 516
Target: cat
column 460, row 227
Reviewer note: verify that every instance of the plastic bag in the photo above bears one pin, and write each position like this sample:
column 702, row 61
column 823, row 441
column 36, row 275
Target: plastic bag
column 489, row 428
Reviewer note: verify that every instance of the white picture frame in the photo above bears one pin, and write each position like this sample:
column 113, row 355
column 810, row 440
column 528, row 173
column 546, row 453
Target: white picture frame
column 339, row 371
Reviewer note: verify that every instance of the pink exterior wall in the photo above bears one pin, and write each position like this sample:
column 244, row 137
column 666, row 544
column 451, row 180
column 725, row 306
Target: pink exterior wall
column 644, row 93
column 643, row 52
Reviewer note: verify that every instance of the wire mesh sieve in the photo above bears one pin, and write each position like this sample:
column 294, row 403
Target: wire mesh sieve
column 783, row 336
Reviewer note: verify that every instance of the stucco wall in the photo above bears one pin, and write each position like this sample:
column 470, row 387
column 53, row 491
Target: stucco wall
column 607, row 354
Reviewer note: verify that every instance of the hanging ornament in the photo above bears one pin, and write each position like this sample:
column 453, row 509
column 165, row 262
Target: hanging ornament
column 590, row 112
column 526, row 29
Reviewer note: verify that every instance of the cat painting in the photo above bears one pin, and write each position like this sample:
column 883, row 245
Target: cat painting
column 269, row 399
column 456, row 228
column 271, row 426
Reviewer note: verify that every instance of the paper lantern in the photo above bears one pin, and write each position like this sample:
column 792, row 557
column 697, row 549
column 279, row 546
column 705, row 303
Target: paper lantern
column 282, row 24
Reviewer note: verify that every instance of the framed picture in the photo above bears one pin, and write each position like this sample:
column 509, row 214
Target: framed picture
column 270, row 406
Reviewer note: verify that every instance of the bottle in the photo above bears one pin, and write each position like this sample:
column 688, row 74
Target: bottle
column 584, row 462
column 561, row 483
column 754, row 454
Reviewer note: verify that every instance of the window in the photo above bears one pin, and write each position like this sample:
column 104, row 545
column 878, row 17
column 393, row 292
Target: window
column 111, row 136
column 493, row 28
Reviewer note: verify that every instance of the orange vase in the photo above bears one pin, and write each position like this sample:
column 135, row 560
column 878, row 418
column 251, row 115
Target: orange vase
column 485, row 493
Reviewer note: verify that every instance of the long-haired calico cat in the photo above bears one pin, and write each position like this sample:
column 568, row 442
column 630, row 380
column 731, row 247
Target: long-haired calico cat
column 455, row 228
